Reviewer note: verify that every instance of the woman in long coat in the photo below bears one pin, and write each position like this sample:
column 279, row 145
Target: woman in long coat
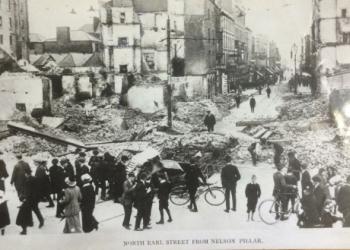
column 88, row 205
column 28, row 197
column 4, row 212
column 71, row 199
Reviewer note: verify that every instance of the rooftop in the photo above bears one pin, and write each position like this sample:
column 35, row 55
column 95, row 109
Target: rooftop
column 77, row 35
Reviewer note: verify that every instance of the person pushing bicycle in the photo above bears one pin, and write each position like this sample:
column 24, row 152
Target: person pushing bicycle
column 280, row 186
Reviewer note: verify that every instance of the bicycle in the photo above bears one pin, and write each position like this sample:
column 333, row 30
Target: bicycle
column 268, row 213
column 213, row 195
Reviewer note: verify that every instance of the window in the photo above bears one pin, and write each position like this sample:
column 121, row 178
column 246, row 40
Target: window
column 0, row 4
column 11, row 40
column 122, row 41
column 149, row 58
column 123, row 68
column 10, row 4
column 1, row 39
column 346, row 37
column 122, row 17
column 0, row 21
column 343, row 13
column 10, row 22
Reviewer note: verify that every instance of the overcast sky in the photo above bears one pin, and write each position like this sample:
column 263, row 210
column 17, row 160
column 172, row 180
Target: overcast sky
column 284, row 21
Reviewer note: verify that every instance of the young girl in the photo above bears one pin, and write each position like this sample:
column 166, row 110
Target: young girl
column 252, row 192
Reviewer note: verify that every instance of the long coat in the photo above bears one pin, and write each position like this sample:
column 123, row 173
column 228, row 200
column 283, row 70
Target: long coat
column 29, row 197
column 3, row 174
column 43, row 181
column 229, row 176
column 57, row 176
column 18, row 177
column 140, row 195
column 87, row 208
column 192, row 177
column 72, row 197
column 306, row 182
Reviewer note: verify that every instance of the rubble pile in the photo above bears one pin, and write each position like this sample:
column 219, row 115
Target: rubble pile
column 31, row 145
column 194, row 112
column 98, row 120
column 303, row 107
column 212, row 147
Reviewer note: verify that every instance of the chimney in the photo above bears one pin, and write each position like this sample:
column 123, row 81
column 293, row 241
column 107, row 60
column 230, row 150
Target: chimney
column 95, row 23
column 63, row 35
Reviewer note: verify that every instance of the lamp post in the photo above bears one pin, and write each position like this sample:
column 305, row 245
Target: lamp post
column 294, row 52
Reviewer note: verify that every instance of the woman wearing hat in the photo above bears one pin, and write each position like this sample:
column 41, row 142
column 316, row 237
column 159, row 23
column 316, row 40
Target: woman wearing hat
column 88, row 204
column 4, row 212
column 70, row 201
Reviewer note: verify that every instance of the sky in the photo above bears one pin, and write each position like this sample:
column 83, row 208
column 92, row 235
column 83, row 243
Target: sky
column 283, row 21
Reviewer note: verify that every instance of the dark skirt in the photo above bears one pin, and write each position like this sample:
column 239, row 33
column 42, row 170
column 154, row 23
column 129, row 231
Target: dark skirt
column 25, row 216
column 251, row 205
column 88, row 220
column 4, row 215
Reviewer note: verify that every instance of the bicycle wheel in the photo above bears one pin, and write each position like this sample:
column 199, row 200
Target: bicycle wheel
column 214, row 196
column 267, row 212
column 179, row 197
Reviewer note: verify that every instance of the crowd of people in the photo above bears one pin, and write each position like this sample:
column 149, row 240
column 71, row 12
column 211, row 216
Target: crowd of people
column 75, row 187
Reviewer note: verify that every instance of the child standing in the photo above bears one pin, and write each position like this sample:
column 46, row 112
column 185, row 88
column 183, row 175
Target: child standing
column 252, row 193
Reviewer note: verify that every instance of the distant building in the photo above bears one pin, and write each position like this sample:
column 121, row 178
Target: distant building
column 14, row 28
column 331, row 33
column 93, row 29
column 36, row 45
column 75, row 41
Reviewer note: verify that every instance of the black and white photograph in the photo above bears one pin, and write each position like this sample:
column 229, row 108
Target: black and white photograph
column 174, row 124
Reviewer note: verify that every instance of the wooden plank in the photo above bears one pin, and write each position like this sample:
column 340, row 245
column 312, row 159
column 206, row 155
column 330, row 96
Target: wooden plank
column 13, row 126
column 254, row 122
column 267, row 135
column 260, row 133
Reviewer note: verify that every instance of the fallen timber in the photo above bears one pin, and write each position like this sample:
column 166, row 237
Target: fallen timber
column 254, row 123
column 18, row 127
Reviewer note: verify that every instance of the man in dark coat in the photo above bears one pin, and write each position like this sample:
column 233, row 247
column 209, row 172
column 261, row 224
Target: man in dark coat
column 278, row 192
column 310, row 215
column 68, row 168
column 141, row 192
column 294, row 165
column 108, row 174
column 43, row 180
column 209, row 121
column 18, row 175
column 88, row 204
column 81, row 168
column 252, row 151
column 30, row 200
column 120, row 177
column 306, row 182
column 192, row 183
column 95, row 170
column 57, row 176
column 163, row 196
column 229, row 177
column 278, row 149
column 343, row 202
column 128, row 199
column 320, row 193
column 238, row 100
column 3, row 174
column 268, row 91
column 252, row 103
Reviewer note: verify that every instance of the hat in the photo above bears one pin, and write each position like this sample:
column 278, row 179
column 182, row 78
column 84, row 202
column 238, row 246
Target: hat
column 70, row 182
column 86, row 178
column 198, row 154
column 131, row 174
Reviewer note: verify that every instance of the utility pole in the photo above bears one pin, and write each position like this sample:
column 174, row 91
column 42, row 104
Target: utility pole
column 169, row 88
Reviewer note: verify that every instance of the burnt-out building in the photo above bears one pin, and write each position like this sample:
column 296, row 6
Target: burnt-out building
column 202, row 40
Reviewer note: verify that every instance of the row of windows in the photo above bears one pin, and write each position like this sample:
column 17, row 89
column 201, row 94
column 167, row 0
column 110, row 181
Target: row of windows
column 11, row 23
column 2, row 39
column 8, row 2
